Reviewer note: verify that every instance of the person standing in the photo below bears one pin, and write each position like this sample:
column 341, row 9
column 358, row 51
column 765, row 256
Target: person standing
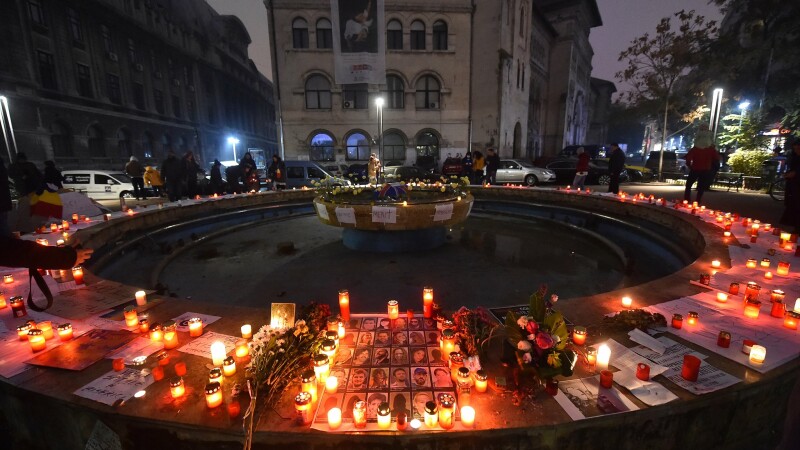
column 171, row 171
column 616, row 163
column 478, row 164
column 152, row 179
column 135, row 171
column 700, row 159
column 492, row 164
column 216, row 177
column 277, row 173
column 466, row 164
column 373, row 168
column 791, row 213
column 189, row 167
column 26, row 175
column 581, row 169
column 52, row 175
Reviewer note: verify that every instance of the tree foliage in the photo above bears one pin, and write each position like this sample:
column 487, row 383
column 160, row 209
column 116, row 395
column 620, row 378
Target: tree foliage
column 748, row 162
column 743, row 132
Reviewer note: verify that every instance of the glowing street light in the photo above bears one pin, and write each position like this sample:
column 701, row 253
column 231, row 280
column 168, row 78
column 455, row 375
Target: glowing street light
column 379, row 104
column 233, row 141
column 743, row 107
column 716, row 106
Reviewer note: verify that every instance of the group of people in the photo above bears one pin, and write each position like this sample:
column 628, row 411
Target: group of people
column 481, row 170
column 28, row 178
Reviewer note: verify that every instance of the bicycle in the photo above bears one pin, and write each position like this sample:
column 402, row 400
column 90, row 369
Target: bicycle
column 777, row 189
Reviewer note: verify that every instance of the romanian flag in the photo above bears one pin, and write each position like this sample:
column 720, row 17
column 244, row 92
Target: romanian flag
column 395, row 191
column 46, row 204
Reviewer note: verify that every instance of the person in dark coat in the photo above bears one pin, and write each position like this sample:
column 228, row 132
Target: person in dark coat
column 235, row 177
column 492, row 165
column 616, row 163
column 172, row 174
column 190, row 168
column 216, row 177
column 52, row 175
column 136, row 172
column 247, row 162
column 791, row 213
column 27, row 177
column 5, row 200
column 466, row 164
column 700, row 161
column 277, row 173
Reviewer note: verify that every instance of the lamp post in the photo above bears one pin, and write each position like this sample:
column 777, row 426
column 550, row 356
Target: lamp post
column 743, row 108
column 379, row 104
column 233, row 141
column 716, row 106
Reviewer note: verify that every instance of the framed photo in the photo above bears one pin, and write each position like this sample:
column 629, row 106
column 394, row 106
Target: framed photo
column 282, row 315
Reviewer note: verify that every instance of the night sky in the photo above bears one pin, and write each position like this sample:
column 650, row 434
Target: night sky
column 623, row 21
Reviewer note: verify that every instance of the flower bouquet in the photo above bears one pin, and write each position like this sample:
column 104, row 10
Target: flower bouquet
column 540, row 338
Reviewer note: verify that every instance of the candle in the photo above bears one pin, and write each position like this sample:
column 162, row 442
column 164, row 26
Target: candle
column 242, row 349
column 447, row 411
column 118, row 364
column 758, row 354
column 750, row 264
column 8, row 279
column 195, row 327
column 332, row 384
column 3, row 303
column 752, row 290
column 156, row 333
column 783, row 268
column 402, row 421
column 722, row 297
column 733, row 289
column 747, row 344
column 427, row 302
column 431, row 414
column 36, row 339
column 180, row 368
column 627, row 302
column 765, row 262
column 247, row 331
column 131, row 318
column 591, row 356
column 77, row 274
column 790, row 319
column 215, row 375
column 785, row 237
column 18, row 307
column 218, row 353
column 468, row 416
column 360, row 414
column 334, row 418
column 481, row 380
column 74, row 218
column 606, row 379
column 455, row 362
column 47, row 329
column 176, row 387
column 579, row 335
column 715, row 264
column 393, row 309
column 344, row 305
column 341, row 330
column 170, row 335
column 328, row 348
column 691, row 367
column 692, row 318
column 60, row 243
column 767, row 275
column 334, row 336
column 65, row 332
column 777, row 295
column 162, row 358
column 308, row 383
column 463, row 379
column 448, row 342
column 229, row 366
column 213, row 395
column 384, row 416
column 53, row 227
column 603, row 357
column 726, row 234
column 141, row 298
column 158, row 373
column 752, row 308
column 144, row 325
column 643, row 371
column 724, row 339
column 797, row 305
column 22, row 331
column 333, row 324
column 322, row 367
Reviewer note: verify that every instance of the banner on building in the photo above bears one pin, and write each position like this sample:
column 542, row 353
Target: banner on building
column 359, row 41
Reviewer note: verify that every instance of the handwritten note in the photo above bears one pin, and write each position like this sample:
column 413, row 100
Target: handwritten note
column 346, row 215
column 322, row 211
column 116, row 386
column 443, row 212
column 384, row 214
column 201, row 346
column 182, row 321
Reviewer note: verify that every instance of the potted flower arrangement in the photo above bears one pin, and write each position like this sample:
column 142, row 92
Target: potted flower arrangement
column 409, row 191
column 540, row 339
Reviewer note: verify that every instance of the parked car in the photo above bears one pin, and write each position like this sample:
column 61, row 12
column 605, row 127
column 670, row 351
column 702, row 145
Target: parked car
column 636, row 172
column 357, row 173
column 336, row 169
column 409, row 173
column 99, row 184
column 595, row 151
column 519, row 171
column 598, row 171
column 453, row 167
column 672, row 163
column 304, row 173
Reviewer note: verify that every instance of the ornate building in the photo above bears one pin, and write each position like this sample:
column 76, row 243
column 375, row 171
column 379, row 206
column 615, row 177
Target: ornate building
column 92, row 82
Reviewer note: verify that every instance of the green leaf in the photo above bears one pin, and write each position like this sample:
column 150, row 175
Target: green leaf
column 513, row 331
column 537, row 307
column 555, row 323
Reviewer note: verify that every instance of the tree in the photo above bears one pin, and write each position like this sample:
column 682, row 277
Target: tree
column 744, row 131
column 656, row 65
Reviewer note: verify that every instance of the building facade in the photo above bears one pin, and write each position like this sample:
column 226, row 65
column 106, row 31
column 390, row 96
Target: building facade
column 92, row 82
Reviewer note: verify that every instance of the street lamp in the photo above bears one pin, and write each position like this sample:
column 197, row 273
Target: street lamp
column 716, row 106
column 233, row 141
column 743, row 107
column 379, row 104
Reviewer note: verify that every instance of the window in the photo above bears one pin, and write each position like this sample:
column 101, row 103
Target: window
column 394, row 35
column 176, row 106
column 158, row 99
column 522, row 21
column 61, row 140
column 124, row 143
column 47, row 70
column 147, row 145
column 318, row 92
column 36, row 12
column 394, row 147
column 104, row 179
column 132, row 52
column 114, row 92
column 394, row 93
column 428, row 145
column 439, row 35
column 324, row 34
column 313, row 172
column 300, row 33
column 427, row 93
column 108, row 42
column 417, row 35
column 295, row 172
column 357, row 147
column 74, row 23
column 166, row 144
column 97, row 143
column 138, row 96
column 356, row 96
column 84, row 78
column 322, row 148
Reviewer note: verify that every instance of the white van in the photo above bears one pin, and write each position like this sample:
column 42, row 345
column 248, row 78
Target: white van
column 99, row 184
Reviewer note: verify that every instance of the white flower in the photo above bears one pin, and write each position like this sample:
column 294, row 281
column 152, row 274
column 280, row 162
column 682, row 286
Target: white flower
column 531, row 337
column 522, row 322
column 281, row 350
column 527, row 358
column 525, row 346
column 280, row 342
column 553, row 298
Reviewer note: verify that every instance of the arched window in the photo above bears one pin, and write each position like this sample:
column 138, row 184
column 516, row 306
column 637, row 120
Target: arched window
column 97, row 142
column 322, row 147
column 147, row 145
column 427, row 93
column 417, row 35
column 439, row 35
column 318, row 92
column 358, row 147
column 394, row 35
column 427, row 147
column 522, row 20
column 124, row 143
column 394, row 147
column 324, row 34
column 299, row 33
column 394, row 93
column 61, row 139
column 166, row 144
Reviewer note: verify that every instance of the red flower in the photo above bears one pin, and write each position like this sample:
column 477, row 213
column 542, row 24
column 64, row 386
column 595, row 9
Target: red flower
column 544, row 341
column 532, row 326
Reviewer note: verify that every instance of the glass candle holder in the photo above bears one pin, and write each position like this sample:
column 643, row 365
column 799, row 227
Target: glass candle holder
column 331, row 384
column 8, row 279
column 463, row 378
column 752, row 290
column 215, row 375
column 3, row 303
column 752, row 308
column 591, row 357
column 427, row 302
column 579, row 335
column 218, row 353
column 247, row 331
column 37, row 340
column 606, row 379
column 18, row 307
column 765, row 262
column 791, row 319
column 229, row 366
column 402, row 421
column 213, row 395
column 455, row 362
column 308, row 383
column 144, row 325
column 334, row 418
column 722, row 297
column 643, row 371
column 751, row 263
column 332, row 324
column 778, row 309
column 758, row 353
column 733, row 289
column 77, row 275
column 693, row 318
column 242, row 349
column 65, row 332
column 468, row 416
column 156, row 333
column 447, row 411
column 627, row 302
column 176, row 387
column 747, row 345
column 302, row 405
column 393, row 309
column 783, row 268
column 360, row 414
column 322, row 367
column 47, row 329
column 195, row 327
column 334, row 336
column 131, row 316
column 344, row 304
column 448, row 342
column 431, row 414
column 22, row 331
column 481, row 380
column 724, row 339
column 384, row 416
column 328, row 348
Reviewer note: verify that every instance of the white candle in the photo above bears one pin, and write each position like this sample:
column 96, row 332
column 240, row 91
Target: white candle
column 758, row 354
column 715, row 264
column 797, row 305
column 334, row 418
column 603, row 357
column 331, row 384
column 627, row 302
column 247, row 331
column 468, row 416
column 141, row 298
column 217, row 353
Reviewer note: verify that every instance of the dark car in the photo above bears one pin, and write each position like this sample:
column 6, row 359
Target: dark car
column 357, row 173
column 452, row 167
column 598, row 171
column 595, row 151
column 673, row 162
column 409, row 173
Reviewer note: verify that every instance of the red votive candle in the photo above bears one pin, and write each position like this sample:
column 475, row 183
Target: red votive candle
column 606, row 378
column 118, row 364
column 691, row 368
column 747, row 345
column 643, row 371
column 180, row 369
column 724, row 339
column 677, row 321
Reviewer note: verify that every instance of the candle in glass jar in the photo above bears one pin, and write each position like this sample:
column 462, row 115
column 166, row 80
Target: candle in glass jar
column 53, row 227
column 60, row 243
column 733, row 289
column 156, row 333
column 603, row 357
column 36, row 339
column 726, row 234
column 693, row 318
column 468, row 416
column 176, row 387
column 308, row 383
column 758, row 353
column 777, row 295
column 218, row 353
column 247, row 331
column 722, row 297
column 131, row 317
column 170, row 335
column 213, row 395
column 627, row 302
column 8, row 279
column 22, row 331
column 751, row 263
column 3, row 303
column 384, row 416
column 18, row 307
column 767, row 275
column 77, row 274
column 481, row 380
column 334, row 418
column 393, row 309
column 195, row 327
column 344, row 304
column 141, row 298
column 579, row 335
column 765, row 262
column 643, row 371
column 118, row 364
column 715, row 264
column 790, row 319
column 144, row 325
column 448, row 342
column 606, row 379
column 591, row 356
column 427, row 302
column 322, row 367
column 332, row 384
column 402, row 421
column 65, row 332
column 691, row 367
column 106, row 217
column 431, row 414
column 47, row 329
column 341, row 330
column 360, row 414
column 447, row 411
column 74, row 218
column 229, row 366
column 455, row 362
column 783, row 268
column 215, row 375
column 724, row 339
column 752, row 308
